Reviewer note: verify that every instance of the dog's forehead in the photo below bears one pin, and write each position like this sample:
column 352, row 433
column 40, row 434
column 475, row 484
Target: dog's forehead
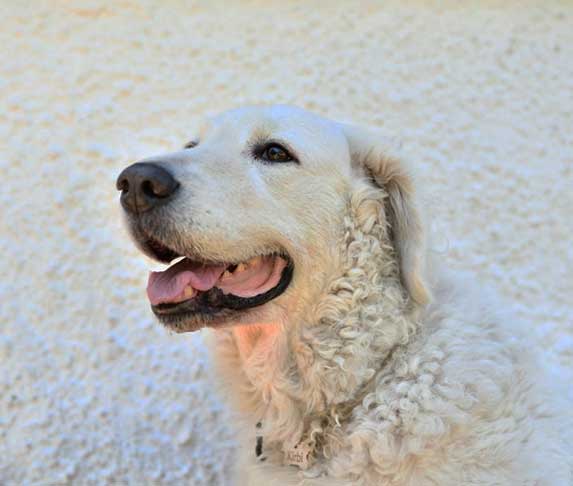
column 283, row 121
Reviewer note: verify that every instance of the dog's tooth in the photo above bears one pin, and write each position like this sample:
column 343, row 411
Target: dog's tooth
column 241, row 267
column 253, row 262
column 188, row 292
column 226, row 274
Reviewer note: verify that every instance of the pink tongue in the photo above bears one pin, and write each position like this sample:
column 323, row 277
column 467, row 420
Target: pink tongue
column 168, row 286
column 257, row 279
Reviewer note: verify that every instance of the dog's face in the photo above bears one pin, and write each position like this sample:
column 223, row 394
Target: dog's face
column 254, row 204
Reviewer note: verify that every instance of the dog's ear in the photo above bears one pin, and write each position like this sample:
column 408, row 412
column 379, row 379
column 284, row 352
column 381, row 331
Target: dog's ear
column 372, row 156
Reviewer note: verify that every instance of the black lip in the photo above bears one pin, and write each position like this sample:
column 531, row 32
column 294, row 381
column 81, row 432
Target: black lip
column 155, row 248
column 159, row 251
column 214, row 303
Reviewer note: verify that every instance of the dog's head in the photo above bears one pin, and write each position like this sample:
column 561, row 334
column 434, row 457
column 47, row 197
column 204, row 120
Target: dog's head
column 255, row 205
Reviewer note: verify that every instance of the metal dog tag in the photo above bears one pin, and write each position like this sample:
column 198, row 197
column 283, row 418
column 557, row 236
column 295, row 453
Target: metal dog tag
column 300, row 455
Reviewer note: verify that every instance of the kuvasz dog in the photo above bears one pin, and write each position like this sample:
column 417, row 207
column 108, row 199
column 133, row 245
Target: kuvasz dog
column 351, row 356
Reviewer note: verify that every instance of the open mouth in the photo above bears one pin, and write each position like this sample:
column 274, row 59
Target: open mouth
column 196, row 293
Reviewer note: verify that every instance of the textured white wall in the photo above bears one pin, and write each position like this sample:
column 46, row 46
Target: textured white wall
column 92, row 391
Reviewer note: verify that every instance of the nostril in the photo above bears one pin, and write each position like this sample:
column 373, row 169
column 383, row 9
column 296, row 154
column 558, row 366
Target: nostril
column 156, row 188
column 122, row 184
column 149, row 189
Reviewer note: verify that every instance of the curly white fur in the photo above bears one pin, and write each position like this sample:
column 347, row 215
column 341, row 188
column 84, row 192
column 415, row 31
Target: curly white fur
column 397, row 374
column 389, row 370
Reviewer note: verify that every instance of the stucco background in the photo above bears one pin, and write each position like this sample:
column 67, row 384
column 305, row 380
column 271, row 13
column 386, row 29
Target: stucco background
column 92, row 391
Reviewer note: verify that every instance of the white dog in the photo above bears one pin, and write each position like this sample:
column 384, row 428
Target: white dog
column 351, row 358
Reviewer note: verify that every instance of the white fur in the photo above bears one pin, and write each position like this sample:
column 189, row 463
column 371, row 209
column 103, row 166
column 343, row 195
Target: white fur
column 258, row 183
column 397, row 372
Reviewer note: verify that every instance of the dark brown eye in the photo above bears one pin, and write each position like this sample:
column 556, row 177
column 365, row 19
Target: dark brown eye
column 275, row 153
column 191, row 144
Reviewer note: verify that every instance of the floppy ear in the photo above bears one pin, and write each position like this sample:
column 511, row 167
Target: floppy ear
column 371, row 154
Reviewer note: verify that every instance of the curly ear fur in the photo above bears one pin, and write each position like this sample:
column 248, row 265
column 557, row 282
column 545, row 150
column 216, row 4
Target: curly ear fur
column 372, row 155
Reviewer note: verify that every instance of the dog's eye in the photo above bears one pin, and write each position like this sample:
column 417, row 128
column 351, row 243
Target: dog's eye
column 191, row 144
column 275, row 153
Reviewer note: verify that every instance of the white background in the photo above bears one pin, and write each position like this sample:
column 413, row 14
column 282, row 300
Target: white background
column 92, row 391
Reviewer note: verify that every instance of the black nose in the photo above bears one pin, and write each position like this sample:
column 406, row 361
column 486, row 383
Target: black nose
column 145, row 186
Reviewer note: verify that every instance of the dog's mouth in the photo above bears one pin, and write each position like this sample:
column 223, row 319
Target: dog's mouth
column 193, row 293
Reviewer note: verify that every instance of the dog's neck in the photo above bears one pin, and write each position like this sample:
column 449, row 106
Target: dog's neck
column 301, row 377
